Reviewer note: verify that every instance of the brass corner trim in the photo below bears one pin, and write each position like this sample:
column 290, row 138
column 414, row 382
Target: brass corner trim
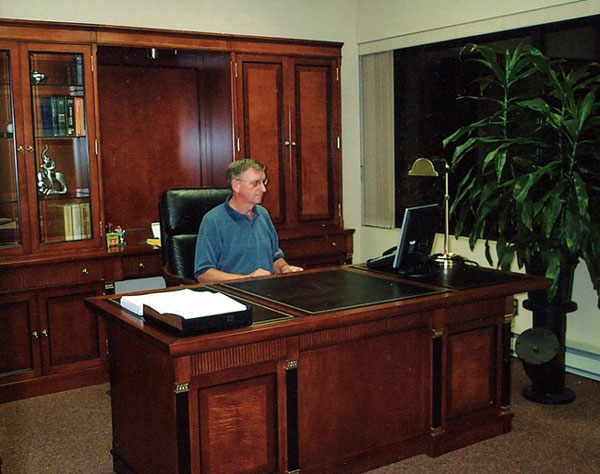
column 295, row 471
column 182, row 387
column 437, row 431
column 289, row 365
column 436, row 333
column 509, row 317
column 506, row 410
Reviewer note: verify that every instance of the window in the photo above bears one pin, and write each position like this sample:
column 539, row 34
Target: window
column 429, row 78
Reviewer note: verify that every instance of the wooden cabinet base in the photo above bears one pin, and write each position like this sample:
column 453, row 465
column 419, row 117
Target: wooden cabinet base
column 53, row 383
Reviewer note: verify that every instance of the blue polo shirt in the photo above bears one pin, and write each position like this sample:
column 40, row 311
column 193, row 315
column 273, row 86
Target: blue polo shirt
column 232, row 243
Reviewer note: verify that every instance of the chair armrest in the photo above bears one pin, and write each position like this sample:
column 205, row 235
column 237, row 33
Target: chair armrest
column 175, row 280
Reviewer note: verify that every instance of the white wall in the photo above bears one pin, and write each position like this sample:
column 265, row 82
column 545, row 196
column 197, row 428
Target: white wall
column 390, row 24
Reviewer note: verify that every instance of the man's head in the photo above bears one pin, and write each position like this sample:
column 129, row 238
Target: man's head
column 248, row 181
column 237, row 168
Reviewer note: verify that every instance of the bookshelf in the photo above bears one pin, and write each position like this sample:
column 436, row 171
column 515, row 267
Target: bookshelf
column 62, row 153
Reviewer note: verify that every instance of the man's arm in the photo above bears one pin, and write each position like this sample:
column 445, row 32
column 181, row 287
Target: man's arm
column 212, row 275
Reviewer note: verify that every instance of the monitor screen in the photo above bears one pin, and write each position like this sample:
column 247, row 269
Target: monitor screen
column 416, row 240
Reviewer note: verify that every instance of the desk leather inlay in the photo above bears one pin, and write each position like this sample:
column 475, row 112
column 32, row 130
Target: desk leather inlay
column 327, row 291
column 462, row 277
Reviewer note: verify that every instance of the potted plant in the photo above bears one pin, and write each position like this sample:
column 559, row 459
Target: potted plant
column 531, row 167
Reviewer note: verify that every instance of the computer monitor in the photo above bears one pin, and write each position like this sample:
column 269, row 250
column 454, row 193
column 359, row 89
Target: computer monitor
column 416, row 240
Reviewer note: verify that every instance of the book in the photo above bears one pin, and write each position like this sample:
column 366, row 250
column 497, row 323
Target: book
column 47, row 115
column 79, row 116
column 76, row 214
column 86, row 221
column 79, row 69
column 70, row 116
column 68, row 221
column 61, row 115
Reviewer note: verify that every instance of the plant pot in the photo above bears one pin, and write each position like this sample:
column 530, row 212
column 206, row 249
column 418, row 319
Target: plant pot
column 548, row 334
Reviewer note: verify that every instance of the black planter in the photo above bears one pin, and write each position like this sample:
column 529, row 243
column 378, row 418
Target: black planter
column 542, row 348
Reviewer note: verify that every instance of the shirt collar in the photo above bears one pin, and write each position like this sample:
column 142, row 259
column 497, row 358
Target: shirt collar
column 238, row 215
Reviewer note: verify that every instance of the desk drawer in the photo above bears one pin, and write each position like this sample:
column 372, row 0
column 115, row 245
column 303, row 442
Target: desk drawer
column 314, row 246
column 51, row 274
column 141, row 266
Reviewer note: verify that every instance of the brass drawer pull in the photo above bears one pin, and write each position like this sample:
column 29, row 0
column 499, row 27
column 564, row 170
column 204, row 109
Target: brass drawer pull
column 85, row 271
column 45, row 332
column 35, row 334
column 141, row 265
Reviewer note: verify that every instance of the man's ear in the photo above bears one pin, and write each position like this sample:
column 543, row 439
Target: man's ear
column 235, row 186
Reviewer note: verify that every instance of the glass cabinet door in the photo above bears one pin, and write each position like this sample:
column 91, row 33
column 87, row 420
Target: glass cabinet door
column 62, row 162
column 10, row 212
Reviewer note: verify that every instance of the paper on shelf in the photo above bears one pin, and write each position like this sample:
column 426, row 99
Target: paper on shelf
column 186, row 303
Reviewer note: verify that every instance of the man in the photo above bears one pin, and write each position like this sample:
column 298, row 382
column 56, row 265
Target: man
column 237, row 239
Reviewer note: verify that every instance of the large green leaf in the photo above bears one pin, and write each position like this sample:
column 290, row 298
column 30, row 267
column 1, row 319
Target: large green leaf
column 552, row 210
column 585, row 107
column 581, row 192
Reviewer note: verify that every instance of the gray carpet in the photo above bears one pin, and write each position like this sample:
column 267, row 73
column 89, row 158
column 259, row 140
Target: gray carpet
column 70, row 433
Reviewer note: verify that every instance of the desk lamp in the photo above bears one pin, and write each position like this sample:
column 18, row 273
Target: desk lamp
column 425, row 167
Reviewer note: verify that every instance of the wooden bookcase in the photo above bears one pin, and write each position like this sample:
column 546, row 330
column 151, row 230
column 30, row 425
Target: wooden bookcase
column 161, row 109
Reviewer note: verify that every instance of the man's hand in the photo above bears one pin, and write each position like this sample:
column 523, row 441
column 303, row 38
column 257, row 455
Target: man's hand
column 259, row 272
column 281, row 266
column 291, row 269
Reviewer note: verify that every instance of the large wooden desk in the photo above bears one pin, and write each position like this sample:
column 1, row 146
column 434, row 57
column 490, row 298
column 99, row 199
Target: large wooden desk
column 343, row 370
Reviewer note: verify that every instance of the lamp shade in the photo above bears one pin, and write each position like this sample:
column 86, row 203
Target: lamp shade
column 422, row 167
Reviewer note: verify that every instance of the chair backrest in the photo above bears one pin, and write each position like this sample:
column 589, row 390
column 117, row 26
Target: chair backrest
column 180, row 212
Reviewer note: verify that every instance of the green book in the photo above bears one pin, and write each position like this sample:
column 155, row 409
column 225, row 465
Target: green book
column 70, row 119
column 61, row 115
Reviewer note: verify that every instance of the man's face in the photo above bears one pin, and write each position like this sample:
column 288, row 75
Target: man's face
column 251, row 186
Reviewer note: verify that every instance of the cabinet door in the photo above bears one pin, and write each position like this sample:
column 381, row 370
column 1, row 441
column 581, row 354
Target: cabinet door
column 314, row 153
column 14, row 236
column 287, row 117
column 19, row 339
column 60, row 145
column 263, row 124
column 72, row 336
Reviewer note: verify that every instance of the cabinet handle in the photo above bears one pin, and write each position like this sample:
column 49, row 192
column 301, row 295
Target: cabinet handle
column 45, row 332
column 286, row 143
column 20, row 149
column 85, row 271
column 333, row 244
column 30, row 148
column 35, row 334
column 141, row 265
column 293, row 143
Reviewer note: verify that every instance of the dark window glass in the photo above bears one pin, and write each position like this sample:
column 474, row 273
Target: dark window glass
column 429, row 78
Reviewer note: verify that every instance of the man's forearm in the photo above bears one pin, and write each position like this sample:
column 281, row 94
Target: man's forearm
column 212, row 275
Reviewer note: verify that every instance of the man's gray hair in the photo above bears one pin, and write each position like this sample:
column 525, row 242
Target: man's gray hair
column 236, row 169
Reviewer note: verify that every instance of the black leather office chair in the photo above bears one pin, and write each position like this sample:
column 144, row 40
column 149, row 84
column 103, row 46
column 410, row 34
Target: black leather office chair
column 180, row 212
